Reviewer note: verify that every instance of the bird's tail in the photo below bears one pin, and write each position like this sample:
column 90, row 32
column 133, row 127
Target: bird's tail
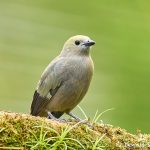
column 38, row 105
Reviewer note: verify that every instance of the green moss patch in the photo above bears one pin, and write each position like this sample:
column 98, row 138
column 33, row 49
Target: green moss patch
column 23, row 131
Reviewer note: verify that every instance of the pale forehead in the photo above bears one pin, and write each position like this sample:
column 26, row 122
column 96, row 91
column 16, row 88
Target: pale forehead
column 79, row 37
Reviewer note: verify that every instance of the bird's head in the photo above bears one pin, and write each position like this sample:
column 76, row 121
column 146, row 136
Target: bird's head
column 77, row 45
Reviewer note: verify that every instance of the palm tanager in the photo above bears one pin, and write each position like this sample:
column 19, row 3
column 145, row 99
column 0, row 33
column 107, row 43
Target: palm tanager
column 65, row 81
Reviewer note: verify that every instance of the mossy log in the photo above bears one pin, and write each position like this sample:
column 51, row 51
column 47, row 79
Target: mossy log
column 23, row 131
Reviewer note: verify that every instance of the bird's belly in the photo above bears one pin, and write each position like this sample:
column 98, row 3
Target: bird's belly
column 68, row 96
column 73, row 89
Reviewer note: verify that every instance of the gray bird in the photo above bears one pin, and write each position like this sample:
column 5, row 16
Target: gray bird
column 65, row 80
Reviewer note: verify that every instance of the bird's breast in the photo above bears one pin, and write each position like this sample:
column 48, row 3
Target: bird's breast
column 81, row 69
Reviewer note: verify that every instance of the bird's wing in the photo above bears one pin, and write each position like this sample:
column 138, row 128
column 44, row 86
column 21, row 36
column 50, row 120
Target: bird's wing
column 47, row 87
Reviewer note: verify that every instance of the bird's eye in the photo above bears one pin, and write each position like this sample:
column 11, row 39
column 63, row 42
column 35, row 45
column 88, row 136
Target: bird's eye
column 77, row 42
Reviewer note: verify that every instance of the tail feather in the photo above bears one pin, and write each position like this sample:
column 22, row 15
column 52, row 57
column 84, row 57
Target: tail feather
column 38, row 104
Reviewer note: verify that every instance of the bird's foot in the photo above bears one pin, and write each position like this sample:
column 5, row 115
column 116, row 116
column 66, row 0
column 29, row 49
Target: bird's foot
column 78, row 119
column 74, row 116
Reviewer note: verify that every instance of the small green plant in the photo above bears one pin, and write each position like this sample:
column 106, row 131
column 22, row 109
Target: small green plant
column 97, row 141
column 62, row 141
column 40, row 141
column 98, row 115
column 83, row 112
column 59, row 141
column 95, row 120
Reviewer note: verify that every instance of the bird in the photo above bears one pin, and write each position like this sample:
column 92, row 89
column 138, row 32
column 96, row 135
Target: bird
column 65, row 81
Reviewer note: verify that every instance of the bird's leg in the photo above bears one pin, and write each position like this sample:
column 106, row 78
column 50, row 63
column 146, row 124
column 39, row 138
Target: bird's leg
column 50, row 116
column 73, row 116
column 78, row 119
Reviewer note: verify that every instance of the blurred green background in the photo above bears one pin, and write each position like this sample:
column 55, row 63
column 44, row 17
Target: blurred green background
column 32, row 33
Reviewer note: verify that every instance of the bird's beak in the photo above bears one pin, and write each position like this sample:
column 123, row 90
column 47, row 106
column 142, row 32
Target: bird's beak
column 89, row 43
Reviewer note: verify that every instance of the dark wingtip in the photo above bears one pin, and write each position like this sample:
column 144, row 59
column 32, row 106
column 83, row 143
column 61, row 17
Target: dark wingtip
column 33, row 105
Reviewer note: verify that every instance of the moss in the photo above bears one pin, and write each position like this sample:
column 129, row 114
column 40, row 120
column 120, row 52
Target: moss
column 22, row 131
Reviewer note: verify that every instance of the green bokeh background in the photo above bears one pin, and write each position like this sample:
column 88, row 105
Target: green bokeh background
column 32, row 33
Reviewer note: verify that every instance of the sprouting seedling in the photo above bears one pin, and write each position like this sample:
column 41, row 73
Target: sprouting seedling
column 97, row 116
column 97, row 141
column 62, row 140
column 59, row 140
column 40, row 141
column 83, row 112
